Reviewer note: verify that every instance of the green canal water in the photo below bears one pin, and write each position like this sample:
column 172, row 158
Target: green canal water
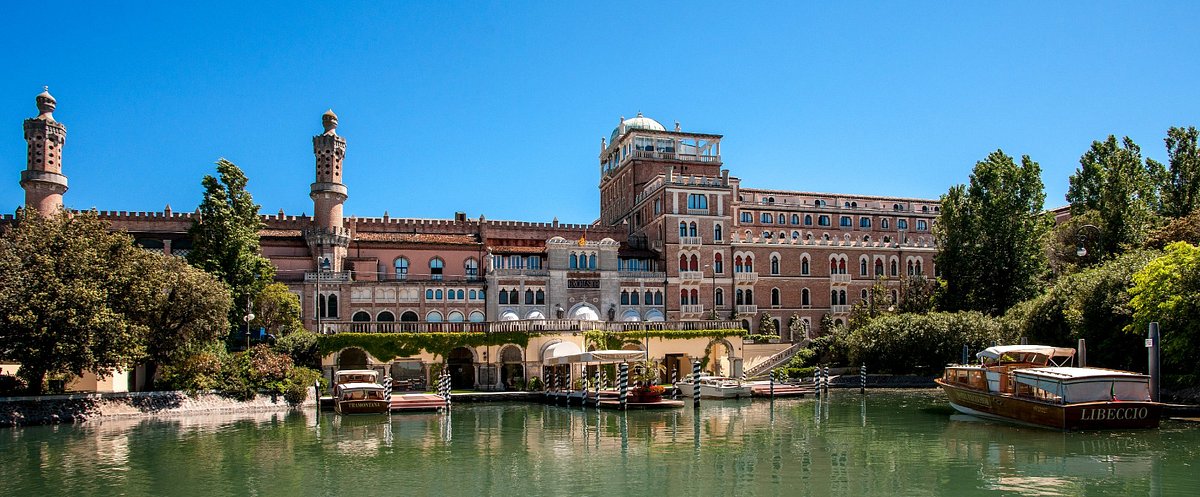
column 888, row 443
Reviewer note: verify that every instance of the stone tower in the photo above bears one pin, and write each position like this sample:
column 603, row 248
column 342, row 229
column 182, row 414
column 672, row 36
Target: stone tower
column 327, row 238
column 42, row 178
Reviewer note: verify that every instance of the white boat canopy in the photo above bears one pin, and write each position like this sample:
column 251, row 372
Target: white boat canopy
column 600, row 356
column 1070, row 385
column 999, row 351
column 559, row 349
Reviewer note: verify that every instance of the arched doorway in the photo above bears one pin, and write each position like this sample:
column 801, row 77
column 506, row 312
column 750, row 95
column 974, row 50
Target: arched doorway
column 512, row 367
column 359, row 318
column 461, row 365
column 720, row 354
column 352, row 358
column 385, row 319
column 407, row 321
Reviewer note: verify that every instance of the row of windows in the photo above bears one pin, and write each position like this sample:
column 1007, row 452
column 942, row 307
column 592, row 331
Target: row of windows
column 410, row 316
column 634, row 297
column 452, row 294
column 847, row 205
column 689, row 229
column 837, row 265
column 746, row 297
column 824, row 220
column 436, row 268
column 516, row 262
column 512, row 296
column 583, row 261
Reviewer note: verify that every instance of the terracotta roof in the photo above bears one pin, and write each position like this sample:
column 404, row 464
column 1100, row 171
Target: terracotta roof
column 416, row 238
column 278, row 233
column 517, row 250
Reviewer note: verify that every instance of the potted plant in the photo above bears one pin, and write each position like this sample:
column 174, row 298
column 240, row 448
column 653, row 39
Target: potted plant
column 644, row 375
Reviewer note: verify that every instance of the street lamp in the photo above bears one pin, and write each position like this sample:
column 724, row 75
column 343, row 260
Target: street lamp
column 248, row 317
column 714, row 288
column 1080, row 249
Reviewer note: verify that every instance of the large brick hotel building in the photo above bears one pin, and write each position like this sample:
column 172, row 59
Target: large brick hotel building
column 677, row 239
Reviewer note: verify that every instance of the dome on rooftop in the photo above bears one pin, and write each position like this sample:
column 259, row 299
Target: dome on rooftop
column 638, row 122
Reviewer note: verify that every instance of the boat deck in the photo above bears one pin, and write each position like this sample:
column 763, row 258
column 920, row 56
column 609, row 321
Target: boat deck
column 782, row 390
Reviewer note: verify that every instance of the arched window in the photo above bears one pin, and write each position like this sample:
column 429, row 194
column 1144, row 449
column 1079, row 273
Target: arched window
column 862, row 267
column 437, row 295
column 435, row 268
column 782, row 218
column 749, row 264
column 472, row 267
column 901, row 224
column 695, row 263
column 895, row 272
column 649, row 298
column 682, row 228
column 719, row 295
column 919, row 272
column 428, row 294
column 766, row 218
column 749, row 297
column 574, row 261
column 842, row 297
column 360, row 316
column 804, row 298
column 740, row 297
column 401, row 268
column 864, row 222
column 683, row 296
column 658, row 298
column 863, row 294
column 433, row 317
column 461, row 295
column 333, row 306
column 845, row 222
column 738, row 267
column 692, row 229
column 695, row 296
column 633, row 298
column 833, row 297
column 774, row 264
column 823, row 221
column 842, row 266
column 539, row 297
column 683, row 263
column 455, row 317
column 717, row 232
column 804, row 266
column 808, row 219
column 795, row 219
column 592, row 261
column 718, row 263
column 503, row 297
column 922, row 225
column 775, row 296
column 513, row 297
column 878, row 267
column 528, row 297
column 624, row 297
column 385, row 317
column 910, row 268
column 832, row 266
column 883, row 223
column 476, row 317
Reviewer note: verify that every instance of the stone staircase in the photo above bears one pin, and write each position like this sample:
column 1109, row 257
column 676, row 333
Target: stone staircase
column 778, row 359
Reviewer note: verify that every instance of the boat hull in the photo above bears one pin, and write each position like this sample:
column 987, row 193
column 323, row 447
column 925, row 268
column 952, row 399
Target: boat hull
column 1080, row 416
column 713, row 392
column 361, row 407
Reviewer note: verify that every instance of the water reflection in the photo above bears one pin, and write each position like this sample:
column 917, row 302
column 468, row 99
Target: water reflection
column 884, row 443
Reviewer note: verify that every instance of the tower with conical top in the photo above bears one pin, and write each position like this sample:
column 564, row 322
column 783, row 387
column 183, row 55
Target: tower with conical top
column 42, row 178
column 327, row 238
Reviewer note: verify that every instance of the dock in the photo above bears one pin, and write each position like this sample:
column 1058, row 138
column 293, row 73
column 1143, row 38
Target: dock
column 402, row 402
column 760, row 389
column 608, row 399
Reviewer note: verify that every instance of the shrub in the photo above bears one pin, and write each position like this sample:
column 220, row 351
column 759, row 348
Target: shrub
column 920, row 343
column 301, row 346
column 201, row 371
column 11, row 385
column 535, row 384
column 298, row 381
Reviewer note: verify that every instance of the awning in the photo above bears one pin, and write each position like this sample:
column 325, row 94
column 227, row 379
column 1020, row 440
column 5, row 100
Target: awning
column 557, row 350
column 994, row 353
column 597, row 356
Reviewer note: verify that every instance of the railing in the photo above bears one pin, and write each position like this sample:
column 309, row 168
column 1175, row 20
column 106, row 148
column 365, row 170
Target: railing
column 747, row 309
column 691, row 309
column 531, row 326
column 745, row 277
column 638, row 275
column 508, row 272
column 691, row 240
column 839, row 309
column 691, row 275
column 327, row 276
column 776, row 359
column 839, row 278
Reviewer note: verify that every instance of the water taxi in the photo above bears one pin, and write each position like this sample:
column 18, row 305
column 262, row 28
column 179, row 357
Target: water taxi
column 715, row 387
column 358, row 391
column 1035, row 385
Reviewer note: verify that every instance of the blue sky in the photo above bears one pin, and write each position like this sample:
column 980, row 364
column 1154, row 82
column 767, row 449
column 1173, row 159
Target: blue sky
column 498, row 108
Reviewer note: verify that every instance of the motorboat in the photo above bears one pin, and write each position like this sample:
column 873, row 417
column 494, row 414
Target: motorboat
column 358, row 391
column 715, row 387
column 1036, row 385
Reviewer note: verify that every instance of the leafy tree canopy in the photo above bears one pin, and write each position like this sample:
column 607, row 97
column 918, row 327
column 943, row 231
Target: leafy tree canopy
column 1116, row 182
column 1181, row 189
column 1167, row 290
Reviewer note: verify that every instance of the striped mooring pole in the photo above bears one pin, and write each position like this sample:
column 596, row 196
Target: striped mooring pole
column 623, row 383
column 826, row 374
column 772, row 383
column 674, row 383
column 696, row 384
column 597, row 386
column 862, row 375
column 387, row 391
column 603, row 377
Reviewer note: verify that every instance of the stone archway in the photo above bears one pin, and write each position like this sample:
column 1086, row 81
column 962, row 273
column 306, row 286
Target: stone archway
column 352, row 358
column 721, row 356
column 512, row 366
column 460, row 363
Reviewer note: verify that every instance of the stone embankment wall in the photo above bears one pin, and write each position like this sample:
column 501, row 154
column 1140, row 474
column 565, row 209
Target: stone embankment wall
column 78, row 408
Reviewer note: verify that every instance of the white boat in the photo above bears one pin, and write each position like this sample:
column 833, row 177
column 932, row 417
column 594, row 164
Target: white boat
column 715, row 387
column 358, row 391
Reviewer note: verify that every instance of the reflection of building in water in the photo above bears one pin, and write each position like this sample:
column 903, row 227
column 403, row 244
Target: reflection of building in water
column 679, row 244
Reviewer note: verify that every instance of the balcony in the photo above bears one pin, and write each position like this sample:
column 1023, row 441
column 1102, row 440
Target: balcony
column 745, row 277
column 747, row 309
column 691, row 275
column 839, row 309
column 692, row 309
column 690, row 241
column 839, row 278
column 510, row 272
column 642, row 275
column 333, row 325
column 327, row 276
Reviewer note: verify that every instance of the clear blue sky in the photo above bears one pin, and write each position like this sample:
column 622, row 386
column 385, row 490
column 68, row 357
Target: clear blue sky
column 498, row 109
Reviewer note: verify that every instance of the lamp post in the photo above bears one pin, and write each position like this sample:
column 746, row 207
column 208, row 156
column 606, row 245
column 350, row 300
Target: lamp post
column 1081, row 250
column 248, row 317
column 713, row 269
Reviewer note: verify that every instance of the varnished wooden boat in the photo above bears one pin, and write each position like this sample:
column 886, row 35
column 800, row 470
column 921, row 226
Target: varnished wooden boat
column 359, row 392
column 1030, row 384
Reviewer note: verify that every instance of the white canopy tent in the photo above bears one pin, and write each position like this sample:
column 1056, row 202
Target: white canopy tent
column 595, row 356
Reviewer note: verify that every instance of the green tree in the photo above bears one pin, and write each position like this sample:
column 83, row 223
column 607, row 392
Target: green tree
column 1167, row 290
column 877, row 303
column 1181, row 189
column 64, row 281
column 277, row 309
column 1181, row 229
column 989, row 251
column 1116, row 182
column 766, row 326
column 916, row 295
column 225, row 238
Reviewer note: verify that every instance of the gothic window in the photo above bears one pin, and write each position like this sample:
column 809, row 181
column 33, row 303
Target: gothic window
column 592, row 261
column 804, row 298
column 718, row 263
column 795, row 219
column 717, row 232
column 682, row 228
column 683, row 263
column 574, row 261
column 808, row 219
column 658, row 298
column 749, row 297
column 683, row 296
column 472, row 267
column 435, row 268
column 878, row 267
column 540, row 297
column 781, row 219
column 804, row 266
column 775, row 296
column 719, row 296
column 648, row 297
column 633, row 298
column 692, row 229
column 513, row 297
column 528, row 297
column 695, row 263
column 624, row 297
column 749, row 264
column 895, row 272
column 503, row 297
column 695, row 296
column 842, row 297
column 740, row 297
column 738, row 267
column 774, row 264
column 401, row 268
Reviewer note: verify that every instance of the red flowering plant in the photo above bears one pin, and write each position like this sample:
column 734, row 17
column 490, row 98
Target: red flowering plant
column 644, row 375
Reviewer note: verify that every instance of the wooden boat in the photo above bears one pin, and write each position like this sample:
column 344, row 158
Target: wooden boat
column 1032, row 385
column 357, row 391
column 715, row 387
